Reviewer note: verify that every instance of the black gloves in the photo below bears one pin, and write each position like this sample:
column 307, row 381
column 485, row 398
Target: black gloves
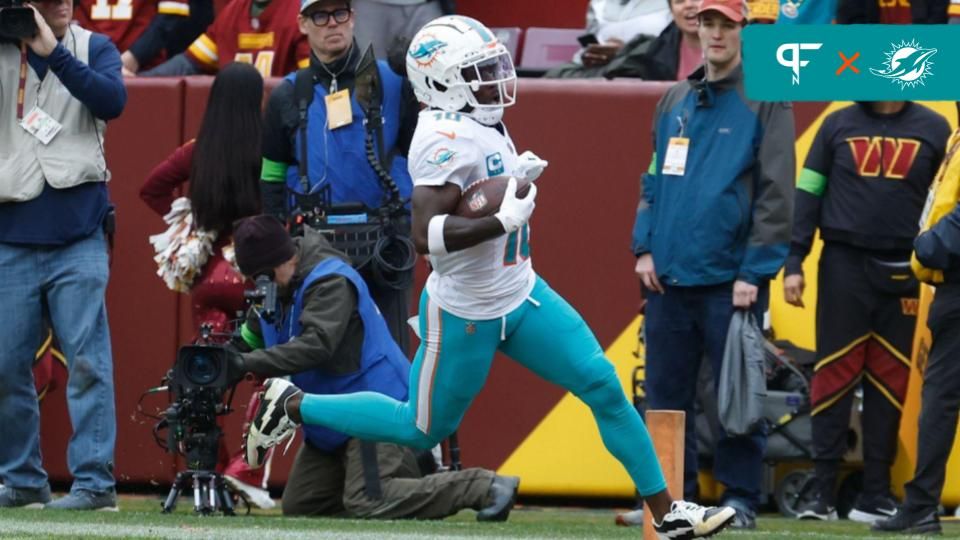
column 236, row 366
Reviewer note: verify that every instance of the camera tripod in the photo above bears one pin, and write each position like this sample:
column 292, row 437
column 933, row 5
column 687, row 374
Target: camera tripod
column 210, row 494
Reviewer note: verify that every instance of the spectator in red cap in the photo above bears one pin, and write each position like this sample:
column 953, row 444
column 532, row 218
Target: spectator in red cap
column 712, row 228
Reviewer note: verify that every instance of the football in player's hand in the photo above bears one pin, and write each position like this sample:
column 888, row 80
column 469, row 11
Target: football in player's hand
column 483, row 197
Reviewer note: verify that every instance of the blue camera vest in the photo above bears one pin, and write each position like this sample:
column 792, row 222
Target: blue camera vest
column 383, row 367
column 338, row 158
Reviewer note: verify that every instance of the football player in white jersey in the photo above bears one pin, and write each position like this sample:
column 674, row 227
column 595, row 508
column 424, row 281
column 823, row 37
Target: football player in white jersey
column 483, row 294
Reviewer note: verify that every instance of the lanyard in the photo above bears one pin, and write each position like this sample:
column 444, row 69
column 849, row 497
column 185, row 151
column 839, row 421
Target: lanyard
column 21, row 89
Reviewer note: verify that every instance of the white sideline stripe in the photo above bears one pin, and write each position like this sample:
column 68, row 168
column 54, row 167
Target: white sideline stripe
column 108, row 530
column 11, row 528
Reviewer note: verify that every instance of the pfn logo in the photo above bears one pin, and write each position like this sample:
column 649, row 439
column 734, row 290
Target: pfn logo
column 794, row 62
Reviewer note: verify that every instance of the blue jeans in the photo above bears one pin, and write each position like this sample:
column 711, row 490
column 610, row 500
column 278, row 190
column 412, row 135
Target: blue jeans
column 69, row 282
column 683, row 325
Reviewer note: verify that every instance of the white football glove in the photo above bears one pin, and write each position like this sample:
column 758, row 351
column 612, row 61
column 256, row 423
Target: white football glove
column 530, row 166
column 515, row 212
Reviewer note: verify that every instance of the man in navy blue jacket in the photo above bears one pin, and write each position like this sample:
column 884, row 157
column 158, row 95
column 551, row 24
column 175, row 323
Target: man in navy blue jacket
column 53, row 250
column 712, row 227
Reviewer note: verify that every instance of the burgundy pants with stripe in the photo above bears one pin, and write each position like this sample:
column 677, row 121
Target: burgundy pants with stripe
column 866, row 314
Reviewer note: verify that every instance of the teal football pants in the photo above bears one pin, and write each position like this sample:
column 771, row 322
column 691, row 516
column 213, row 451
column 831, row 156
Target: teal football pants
column 545, row 334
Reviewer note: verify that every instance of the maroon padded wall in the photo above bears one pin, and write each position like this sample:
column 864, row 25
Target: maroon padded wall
column 526, row 13
column 596, row 136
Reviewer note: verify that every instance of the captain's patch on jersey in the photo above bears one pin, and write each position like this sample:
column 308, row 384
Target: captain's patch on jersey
column 494, row 165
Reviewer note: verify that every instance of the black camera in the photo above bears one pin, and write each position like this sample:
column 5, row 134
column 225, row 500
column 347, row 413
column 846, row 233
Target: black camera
column 199, row 385
column 263, row 297
column 200, row 367
column 198, row 382
column 16, row 21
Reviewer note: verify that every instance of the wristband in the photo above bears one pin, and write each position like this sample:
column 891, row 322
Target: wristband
column 435, row 243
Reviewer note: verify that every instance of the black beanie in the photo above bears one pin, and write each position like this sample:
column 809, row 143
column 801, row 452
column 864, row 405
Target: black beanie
column 261, row 244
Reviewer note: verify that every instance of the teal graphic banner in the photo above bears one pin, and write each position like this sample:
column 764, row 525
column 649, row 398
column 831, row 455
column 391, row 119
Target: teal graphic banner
column 868, row 62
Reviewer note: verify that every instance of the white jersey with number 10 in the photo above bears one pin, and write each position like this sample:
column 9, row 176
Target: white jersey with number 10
column 492, row 278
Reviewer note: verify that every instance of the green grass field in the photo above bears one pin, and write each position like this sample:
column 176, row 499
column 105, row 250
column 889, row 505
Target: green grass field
column 140, row 517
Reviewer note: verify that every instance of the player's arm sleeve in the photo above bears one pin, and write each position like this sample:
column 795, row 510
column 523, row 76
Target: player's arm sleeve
column 774, row 185
column 953, row 12
column 811, row 185
column 437, row 160
column 329, row 304
column 203, row 51
column 277, row 149
column 170, row 15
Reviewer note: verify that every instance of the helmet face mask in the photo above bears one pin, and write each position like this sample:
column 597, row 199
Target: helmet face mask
column 496, row 73
column 455, row 63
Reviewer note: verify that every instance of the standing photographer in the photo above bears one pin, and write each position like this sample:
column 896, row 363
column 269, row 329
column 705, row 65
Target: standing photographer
column 54, row 221
column 334, row 341
column 329, row 147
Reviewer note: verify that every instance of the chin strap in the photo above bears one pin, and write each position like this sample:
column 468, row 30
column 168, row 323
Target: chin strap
column 487, row 116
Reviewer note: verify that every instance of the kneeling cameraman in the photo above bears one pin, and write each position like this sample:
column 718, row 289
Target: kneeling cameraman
column 331, row 338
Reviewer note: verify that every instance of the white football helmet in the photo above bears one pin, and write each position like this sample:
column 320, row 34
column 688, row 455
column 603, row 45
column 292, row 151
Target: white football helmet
column 452, row 58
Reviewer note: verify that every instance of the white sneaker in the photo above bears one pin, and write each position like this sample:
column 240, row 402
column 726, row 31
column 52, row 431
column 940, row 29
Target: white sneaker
column 271, row 426
column 256, row 496
column 688, row 520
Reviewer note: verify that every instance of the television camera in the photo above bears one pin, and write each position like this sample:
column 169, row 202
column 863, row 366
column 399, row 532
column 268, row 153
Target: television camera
column 198, row 384
column 200, row 391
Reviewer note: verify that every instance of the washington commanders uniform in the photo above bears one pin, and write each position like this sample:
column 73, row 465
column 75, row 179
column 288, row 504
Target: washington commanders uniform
column 125, row 21
column 864, row 185
column 271, row 41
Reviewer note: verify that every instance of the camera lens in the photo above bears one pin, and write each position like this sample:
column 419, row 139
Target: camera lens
column 201, row 369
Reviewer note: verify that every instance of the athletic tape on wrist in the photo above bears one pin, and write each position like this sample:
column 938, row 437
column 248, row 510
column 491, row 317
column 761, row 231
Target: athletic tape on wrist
column 435, row 242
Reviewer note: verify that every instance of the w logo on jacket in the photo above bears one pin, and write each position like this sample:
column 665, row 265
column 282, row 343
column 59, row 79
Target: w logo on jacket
column 889, row 157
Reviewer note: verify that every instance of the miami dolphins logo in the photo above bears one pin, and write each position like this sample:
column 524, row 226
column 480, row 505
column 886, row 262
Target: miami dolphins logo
column 442, row 157
column 907, row 64
column 425, row 51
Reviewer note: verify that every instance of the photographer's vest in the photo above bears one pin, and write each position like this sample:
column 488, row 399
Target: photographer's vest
column 942, row 199
column 383, row 367
column 338, row 157
column 74, row 156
